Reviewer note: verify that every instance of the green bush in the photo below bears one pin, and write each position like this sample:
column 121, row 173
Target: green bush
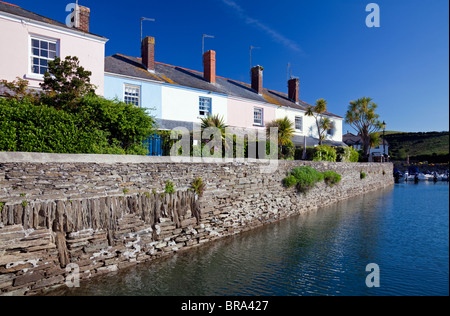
column 331, row 178
column 96, row 126
column 290, row 181
column 363, row 175
column 325, row 153
column 304, row 178
column 170, row 189
column 347, row 154
column 199, row 186
column 38, row 128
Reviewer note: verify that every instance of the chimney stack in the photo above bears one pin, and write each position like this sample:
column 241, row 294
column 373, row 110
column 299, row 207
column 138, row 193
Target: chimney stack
column 294, row 90
column 148, row 53
column 81, row 18
column 257, row 79
column 209, row 66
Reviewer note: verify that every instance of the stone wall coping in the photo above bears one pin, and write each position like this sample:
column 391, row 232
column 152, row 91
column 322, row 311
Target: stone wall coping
column 26, row 157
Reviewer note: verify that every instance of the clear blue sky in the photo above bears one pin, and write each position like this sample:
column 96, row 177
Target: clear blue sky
column 403, row 65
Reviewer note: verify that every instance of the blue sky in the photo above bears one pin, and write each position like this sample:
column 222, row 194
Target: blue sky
column 403, row 65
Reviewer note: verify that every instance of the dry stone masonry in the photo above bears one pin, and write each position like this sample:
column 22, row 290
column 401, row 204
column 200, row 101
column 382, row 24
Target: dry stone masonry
column 105, row 213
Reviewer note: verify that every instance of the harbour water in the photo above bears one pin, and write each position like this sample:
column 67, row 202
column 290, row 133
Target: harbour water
column 404, row 230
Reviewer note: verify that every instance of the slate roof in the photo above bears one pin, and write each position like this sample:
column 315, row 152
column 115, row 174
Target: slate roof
column 352, row 140
column 18, row 11
column 132, row 67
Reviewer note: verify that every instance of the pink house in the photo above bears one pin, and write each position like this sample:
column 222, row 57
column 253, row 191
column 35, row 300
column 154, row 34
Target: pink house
column 30, row 40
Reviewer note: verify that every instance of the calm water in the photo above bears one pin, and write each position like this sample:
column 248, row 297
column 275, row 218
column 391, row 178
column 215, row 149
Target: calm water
column 404, row 230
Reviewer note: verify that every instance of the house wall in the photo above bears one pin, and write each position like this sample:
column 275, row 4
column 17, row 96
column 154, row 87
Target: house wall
column 309, row 124
column 182, row 104
column 241, row 113
column 15, row 50
column 151, row 93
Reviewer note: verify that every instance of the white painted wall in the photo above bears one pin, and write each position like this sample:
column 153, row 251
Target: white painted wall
column 182, row 104
column 309, row 123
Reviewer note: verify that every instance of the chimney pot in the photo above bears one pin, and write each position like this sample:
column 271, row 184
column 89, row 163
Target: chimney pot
column 148, row 53
column 257, row 79
column 209, row 66
column 294, row 90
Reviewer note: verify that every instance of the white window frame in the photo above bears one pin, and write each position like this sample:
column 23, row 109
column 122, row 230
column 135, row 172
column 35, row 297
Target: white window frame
column 201, row 106
column 132, row 97
column 255, row 122
column 301, row 123
column 32, row 56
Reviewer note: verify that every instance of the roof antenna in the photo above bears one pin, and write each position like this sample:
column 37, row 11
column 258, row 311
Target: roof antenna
column 142, row 20
column 203, row 42
column 252, row 48
column 289, row 73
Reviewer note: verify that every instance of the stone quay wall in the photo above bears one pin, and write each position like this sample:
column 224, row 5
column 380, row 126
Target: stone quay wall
column 91, row 214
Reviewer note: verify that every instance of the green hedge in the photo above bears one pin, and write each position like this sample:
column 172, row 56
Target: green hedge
column 347, row 154
column 325, row 153
column 96, row 126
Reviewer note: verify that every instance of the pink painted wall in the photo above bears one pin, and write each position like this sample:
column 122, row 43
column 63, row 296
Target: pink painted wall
column 15, row 50
column 241, row 113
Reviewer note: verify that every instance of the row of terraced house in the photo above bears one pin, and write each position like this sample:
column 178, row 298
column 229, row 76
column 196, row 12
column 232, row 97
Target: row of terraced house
column 175, row 96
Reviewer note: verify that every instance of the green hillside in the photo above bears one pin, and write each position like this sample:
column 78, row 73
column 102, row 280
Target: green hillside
column 432, row 147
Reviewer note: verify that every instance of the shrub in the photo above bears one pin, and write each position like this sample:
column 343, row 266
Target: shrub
column 363, row 175
column 290, row 181
column 347, row 154
column 170, row 189
column 38, row 128
column 199, row 186
column 96, row 126
column 331, row 178
column 304, row 178
column 325, row 153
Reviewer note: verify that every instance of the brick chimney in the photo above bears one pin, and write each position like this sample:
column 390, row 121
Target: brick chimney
column 294, row 90
column 82, row 18
column 148, row 53
column 257, row 79
column 209, row 66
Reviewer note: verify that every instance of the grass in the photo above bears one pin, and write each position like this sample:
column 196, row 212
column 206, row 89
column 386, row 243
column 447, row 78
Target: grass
column 431, row 146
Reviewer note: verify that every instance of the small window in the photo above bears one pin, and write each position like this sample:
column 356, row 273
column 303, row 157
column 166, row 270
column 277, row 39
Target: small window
column 299, row 123
column 42, row 51
column 258, row 116
column 132, row 95
column 205, row 106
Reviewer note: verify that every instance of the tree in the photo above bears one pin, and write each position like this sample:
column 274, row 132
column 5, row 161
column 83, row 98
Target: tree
column 18, row 90
column 285, row 131
column 362, row 117
column 375, row 140
column 66, row 82
column 212, row 122
column 324, row 124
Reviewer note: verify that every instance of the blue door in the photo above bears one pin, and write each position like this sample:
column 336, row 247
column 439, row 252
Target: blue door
column 154, row 144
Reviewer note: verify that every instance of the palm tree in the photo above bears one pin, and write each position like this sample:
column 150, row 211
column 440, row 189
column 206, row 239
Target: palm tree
column 215, row 121
column 361, row 115
column 286, row 131
column 323, row 123
column 375, row 140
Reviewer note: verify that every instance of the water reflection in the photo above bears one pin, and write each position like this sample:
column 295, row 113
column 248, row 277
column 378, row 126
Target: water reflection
column 322, row 252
